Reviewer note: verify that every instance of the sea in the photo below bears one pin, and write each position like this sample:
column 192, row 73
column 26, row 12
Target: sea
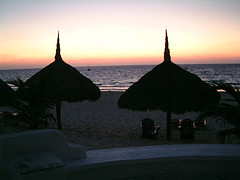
column 119, row 78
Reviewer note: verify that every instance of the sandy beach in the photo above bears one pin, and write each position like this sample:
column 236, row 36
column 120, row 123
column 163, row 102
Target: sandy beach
column 102, row 124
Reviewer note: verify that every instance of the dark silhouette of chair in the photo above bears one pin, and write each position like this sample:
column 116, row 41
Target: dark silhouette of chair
column 226, row 133
column 187, row 130
column 201, row 124
column 175, row 123
column 148, row 129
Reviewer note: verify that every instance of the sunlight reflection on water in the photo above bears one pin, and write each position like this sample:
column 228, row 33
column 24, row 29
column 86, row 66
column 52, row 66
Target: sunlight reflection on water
column 119, row 78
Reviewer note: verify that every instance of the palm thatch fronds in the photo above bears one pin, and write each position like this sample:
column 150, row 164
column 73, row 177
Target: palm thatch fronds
column 228, row 110
column 7, row 94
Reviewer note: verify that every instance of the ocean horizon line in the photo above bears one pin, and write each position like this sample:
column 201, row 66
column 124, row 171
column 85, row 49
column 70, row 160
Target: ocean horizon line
column 115, row 77
column 117, row 65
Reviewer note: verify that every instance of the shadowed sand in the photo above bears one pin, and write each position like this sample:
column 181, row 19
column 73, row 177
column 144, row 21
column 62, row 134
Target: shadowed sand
column 102, row 124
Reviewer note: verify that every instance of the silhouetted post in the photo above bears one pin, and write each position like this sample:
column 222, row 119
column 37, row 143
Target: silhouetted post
column 167, row 58
column 169, row 114
column 58, row 105
column 58, row 109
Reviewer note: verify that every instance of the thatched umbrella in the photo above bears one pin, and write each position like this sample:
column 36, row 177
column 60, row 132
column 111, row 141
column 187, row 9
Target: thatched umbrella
column 7, row 94
column 61, row 82
column 170, row 88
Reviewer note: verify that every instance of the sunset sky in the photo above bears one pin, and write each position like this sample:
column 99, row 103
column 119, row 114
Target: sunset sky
column 115, row 32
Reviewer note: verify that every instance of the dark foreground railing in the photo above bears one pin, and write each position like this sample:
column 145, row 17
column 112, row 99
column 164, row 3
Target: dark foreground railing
column 44, row 154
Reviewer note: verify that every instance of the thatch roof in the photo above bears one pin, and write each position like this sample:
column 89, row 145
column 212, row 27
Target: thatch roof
column 61, row 82
column 169, row 87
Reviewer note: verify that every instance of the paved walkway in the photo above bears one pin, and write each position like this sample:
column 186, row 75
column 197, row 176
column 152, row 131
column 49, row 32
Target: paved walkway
column 171, row 162
column 163, row 151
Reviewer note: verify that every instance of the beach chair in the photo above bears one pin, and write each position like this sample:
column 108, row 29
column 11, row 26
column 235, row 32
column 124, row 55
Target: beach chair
column 187, row 130
column 148, row 129
column 201, row 124
column 176, row 123
column 229, row 135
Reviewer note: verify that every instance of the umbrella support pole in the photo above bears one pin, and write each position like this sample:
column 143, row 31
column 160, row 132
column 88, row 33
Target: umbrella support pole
column 58, row 111
column 169, row 114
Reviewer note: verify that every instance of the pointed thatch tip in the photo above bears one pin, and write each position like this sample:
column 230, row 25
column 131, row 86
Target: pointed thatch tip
column 58, row 50
column 167, row 57
column 58, row 36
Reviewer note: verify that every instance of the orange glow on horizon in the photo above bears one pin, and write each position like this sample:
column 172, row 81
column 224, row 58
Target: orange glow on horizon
column 39, row 63
column 122, row 32
column 119, row 48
